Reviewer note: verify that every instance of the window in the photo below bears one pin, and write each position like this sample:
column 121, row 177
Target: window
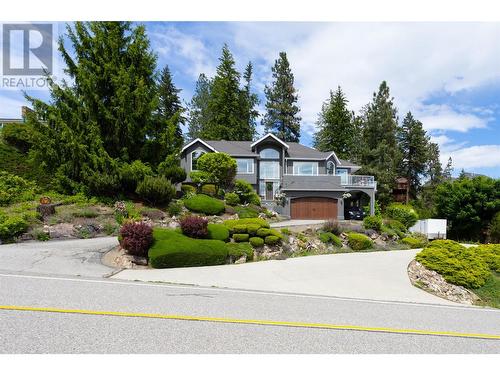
column 330, row 168
column 195, row 155
column 245, row 166
column 269, row 153
column 270, row 169
column 305, row 168
column 343, row 173
column 268, row 189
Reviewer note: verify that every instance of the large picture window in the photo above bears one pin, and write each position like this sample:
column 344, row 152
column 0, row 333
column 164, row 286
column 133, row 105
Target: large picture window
column 270, row 169
column 195, row 155
column 245, row 166
column 305, row 168
column 269, row 153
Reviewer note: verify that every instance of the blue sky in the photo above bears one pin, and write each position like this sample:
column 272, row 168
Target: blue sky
column 447, row 74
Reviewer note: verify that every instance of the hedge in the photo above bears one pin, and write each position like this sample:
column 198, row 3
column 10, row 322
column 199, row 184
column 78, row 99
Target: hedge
column 358, row 241
column 458, row 264
column 403, row 213
column 328, row 237
column 218, row 232
column 172, row 249
column 232, row 223
column 256, row 241
column 237, row 250
column 204, row 204
column 241, row 237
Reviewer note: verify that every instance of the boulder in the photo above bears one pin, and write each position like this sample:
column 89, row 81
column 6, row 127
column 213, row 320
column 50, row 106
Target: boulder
column 241, row 260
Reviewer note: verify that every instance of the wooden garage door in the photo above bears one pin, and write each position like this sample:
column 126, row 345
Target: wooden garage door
column 314, row 208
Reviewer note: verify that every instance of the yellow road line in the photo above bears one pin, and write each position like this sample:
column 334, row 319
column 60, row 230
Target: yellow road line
column 255, row 322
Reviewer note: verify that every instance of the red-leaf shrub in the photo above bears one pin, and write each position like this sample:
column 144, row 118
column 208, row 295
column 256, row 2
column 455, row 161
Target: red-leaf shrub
column 136, row 238
column 195, row 226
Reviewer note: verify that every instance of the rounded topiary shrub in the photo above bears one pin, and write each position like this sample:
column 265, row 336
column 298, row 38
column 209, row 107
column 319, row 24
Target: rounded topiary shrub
column 232, row 199
column 252, row 229
column 188, row 189
column 209, row 189
column 263, row 232
column 241, row 237
column 218, row 232
column 238, row 249
column 358, row 241
column 240, row 228
column 413, row 242
column 156, row 190
column 204, row 204
column 194, row 226
column 373, row 222
column 256, row 241
column 271, row 240
column 174, row 173
column 136, row 238
column 232, row 223
column 327, row 237
column 404, row 213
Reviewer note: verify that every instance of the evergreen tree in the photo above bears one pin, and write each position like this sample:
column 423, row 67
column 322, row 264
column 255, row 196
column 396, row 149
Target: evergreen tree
column 337, row 127
column 169, row 100
column 434, row 168
column 198, row 114
column 249, row 99
column 448, row 170
column 380, row 155
column 227, row 114
column 413, row 145
column 281, row 118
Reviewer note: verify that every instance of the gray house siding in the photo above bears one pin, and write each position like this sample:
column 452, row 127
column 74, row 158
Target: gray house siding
column 311, row 182
column 186, row 157
column 251, row 178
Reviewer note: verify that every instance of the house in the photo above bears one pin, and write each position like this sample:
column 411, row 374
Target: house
column 317, row 185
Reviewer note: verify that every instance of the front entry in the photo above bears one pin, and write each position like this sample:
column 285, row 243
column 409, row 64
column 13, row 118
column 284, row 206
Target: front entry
column 269, row 191
column 313, row 208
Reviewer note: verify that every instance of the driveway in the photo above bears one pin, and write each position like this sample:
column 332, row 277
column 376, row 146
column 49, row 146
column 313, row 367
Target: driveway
column 372, row 276
column 65, row 257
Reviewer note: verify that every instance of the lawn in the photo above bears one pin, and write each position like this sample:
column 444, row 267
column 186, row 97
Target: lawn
column 490, row 292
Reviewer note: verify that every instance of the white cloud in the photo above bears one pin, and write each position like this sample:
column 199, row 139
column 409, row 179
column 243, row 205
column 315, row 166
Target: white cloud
column 483, row 156
column 443, row 117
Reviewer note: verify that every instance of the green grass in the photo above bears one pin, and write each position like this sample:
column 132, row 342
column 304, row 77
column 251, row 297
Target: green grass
column 490, row 291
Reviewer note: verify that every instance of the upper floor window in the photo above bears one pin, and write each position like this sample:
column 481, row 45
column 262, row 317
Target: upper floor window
column 195, row 155
column 330, row 168
column 269, row 153
column 305, row 168
column 245, row 166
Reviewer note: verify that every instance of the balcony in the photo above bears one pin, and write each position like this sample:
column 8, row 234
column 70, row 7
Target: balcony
column 358, row 181
column 326, row 182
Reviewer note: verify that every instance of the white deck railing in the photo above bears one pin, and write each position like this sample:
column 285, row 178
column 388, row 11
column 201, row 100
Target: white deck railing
column 358, row 180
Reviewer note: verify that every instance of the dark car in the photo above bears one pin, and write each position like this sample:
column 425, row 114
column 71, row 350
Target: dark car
column 355, row 213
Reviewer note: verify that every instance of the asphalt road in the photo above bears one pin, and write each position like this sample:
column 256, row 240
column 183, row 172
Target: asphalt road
column 51, row 332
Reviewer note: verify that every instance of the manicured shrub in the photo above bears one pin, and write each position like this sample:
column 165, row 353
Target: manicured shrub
column 256, row 241
column 327, row 237
column 286, row 231
column 413, row 242
column 238, row 249
column 491, row 255
column 194, row 226
column 456, row 263
column 277, row 233
column 11, row 226
column 241, row 237
column 232, row 199
column 240, row 228
column 404, row 213
column 188, row 189
column 263, row 232
column 245, row 212
column 373, row 222
column 156, row 190
column 218, row 232
column 271, row 240
column 254, row 199
column 252, row 229
column 174, row 173
column 174, row 208
column 220, row 167
column 173, row 249
column 103, row 184
column 132, row 174
column 332, row 226
column 136, row 238
column 15, row 189
column 204, row 204
column 209, row 189
column 231, row 223
column 246, row 193
column 358, row 241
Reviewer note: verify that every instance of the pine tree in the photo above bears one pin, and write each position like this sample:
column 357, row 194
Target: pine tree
column 169, row 100
column 413, row 145
column 198, row 114
column 337, row 127
column 249, row 99
column 448, row 170
column 434, row 168
column 380, row 155
column 281, row 118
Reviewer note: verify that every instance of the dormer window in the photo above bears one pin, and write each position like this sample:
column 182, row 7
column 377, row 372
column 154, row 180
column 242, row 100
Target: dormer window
column 330, row 168
column 269, row 153
column 195, row 155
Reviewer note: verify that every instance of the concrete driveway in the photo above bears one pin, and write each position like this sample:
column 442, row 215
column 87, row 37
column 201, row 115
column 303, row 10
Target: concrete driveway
column 373, row 276
column 65, row 257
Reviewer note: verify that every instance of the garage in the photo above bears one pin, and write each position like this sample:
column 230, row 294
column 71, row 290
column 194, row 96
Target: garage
column 313, row 208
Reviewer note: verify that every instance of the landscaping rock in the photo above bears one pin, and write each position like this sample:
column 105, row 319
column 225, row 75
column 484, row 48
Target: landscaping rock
column 62, row 230
column 241, row 260
column 174, row 224
column 434, row 283
column 141, row 261
column 89, row 230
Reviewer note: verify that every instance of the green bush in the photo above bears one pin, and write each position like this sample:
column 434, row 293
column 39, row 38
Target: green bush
column 327, row 237
column 491, row 255
column 218, row 232
column 405, row 214
column 132, row 174
column 15, row 189
column 241, row 237
column 102, row 184
column 11, row 226
column 358, row 241
column 42, row 236
column 252, row 229
column 286, row 231
column 174, row 173
column 237, row 250
column 413, row 242
column 174, row 208
column 88, row 213
column 456, row 263
column 396, row 226
column 18, row 135
column 232, row 223
column 246, row 193
column 209, row 189
column 240, row 228
column 373, row 222
column 271, row 240
column 204, row 204
column 254, row 199
column 173, row 249
column 245, row 212
column 264, row 232
column 219, row 167
column 332, row 226
column 277, row 233
column 156, row 190
column 188, row 189
column 256, row 241
column 494, row 228
column 232, row 199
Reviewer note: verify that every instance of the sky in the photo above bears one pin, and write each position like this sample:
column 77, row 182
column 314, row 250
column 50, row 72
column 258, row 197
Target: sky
column 447, row 74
